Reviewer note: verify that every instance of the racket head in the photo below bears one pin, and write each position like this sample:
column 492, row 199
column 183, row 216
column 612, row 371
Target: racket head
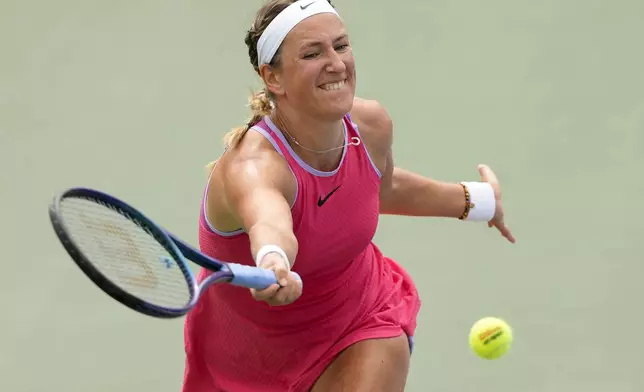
column 123, row 252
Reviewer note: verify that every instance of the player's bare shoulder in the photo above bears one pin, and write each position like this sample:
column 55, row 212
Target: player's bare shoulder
column 375, row 126
column 255, row 162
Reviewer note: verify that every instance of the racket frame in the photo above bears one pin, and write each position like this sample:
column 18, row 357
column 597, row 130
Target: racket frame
column 102, row 281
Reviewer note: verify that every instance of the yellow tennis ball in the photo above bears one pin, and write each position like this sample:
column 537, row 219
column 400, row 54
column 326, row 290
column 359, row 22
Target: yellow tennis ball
column 490, row 337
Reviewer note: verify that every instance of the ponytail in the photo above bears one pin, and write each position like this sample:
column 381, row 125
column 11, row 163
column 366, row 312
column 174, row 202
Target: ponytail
column 260, row 105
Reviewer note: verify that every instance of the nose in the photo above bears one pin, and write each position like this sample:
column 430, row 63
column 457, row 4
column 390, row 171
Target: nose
column 336, row 64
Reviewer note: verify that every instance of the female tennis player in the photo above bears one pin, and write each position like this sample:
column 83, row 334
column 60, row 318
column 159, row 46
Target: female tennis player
column 301, row 187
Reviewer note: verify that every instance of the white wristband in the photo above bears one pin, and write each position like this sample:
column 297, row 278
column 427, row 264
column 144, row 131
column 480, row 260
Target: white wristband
column 482, row 201
column 266, row 249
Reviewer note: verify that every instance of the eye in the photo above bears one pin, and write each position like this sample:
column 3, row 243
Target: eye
column 310, row 56
column 342, row 47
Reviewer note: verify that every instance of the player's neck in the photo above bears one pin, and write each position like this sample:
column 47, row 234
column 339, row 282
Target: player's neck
column 311, row 134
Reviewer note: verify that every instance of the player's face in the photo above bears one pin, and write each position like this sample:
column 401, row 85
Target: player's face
column 317, row 72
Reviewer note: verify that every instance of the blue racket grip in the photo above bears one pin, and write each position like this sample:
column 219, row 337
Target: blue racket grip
column 254, row 277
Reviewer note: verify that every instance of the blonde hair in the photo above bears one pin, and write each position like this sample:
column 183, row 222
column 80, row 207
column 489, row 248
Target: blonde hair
column 260, row 105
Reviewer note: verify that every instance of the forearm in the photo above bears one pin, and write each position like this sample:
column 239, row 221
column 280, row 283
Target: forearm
column 265, row 234
column 414, row 195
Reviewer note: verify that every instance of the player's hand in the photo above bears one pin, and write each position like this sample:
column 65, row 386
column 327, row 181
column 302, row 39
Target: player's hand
column 497, row 221
column 289, row 288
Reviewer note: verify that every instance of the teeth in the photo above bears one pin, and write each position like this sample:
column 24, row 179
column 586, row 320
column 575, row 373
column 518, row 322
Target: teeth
column 333, row 86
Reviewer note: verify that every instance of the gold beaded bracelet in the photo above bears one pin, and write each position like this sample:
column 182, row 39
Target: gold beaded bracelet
column 468, row 203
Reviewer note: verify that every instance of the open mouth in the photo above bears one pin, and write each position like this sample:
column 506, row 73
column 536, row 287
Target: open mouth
column 333, row 86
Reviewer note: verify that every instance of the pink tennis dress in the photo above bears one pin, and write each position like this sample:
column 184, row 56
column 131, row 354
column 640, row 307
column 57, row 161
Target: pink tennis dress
column 351, row 291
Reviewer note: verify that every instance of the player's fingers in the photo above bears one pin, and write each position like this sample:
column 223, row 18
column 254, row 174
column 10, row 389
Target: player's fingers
column 296, row 286
column 509, row 236
column 288, row 293
column 278, row 265
column 281, row 274
column 487, row 174
column 295, row 293
column 282, row 295
column 267, row 293
column 505, row 232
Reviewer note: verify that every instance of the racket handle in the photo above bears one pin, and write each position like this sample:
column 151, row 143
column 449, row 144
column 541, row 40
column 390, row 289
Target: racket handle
column 254, row 277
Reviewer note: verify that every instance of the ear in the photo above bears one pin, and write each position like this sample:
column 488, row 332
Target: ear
column 272, row 79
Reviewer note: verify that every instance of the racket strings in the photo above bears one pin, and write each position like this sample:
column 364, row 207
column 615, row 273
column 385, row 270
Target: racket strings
column 126, row 252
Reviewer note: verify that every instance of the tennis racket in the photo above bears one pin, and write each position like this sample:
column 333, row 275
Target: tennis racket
column 135, row 261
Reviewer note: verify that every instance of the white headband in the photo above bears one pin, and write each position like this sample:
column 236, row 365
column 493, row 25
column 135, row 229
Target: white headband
column 284, row 22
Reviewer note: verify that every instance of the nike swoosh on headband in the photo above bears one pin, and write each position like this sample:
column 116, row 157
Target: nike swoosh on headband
column 306, row 6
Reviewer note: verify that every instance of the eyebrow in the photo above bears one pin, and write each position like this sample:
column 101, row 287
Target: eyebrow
column 318, row 43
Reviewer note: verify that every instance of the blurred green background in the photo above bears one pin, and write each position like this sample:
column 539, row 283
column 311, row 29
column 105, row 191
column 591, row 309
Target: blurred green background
column 549, row 93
